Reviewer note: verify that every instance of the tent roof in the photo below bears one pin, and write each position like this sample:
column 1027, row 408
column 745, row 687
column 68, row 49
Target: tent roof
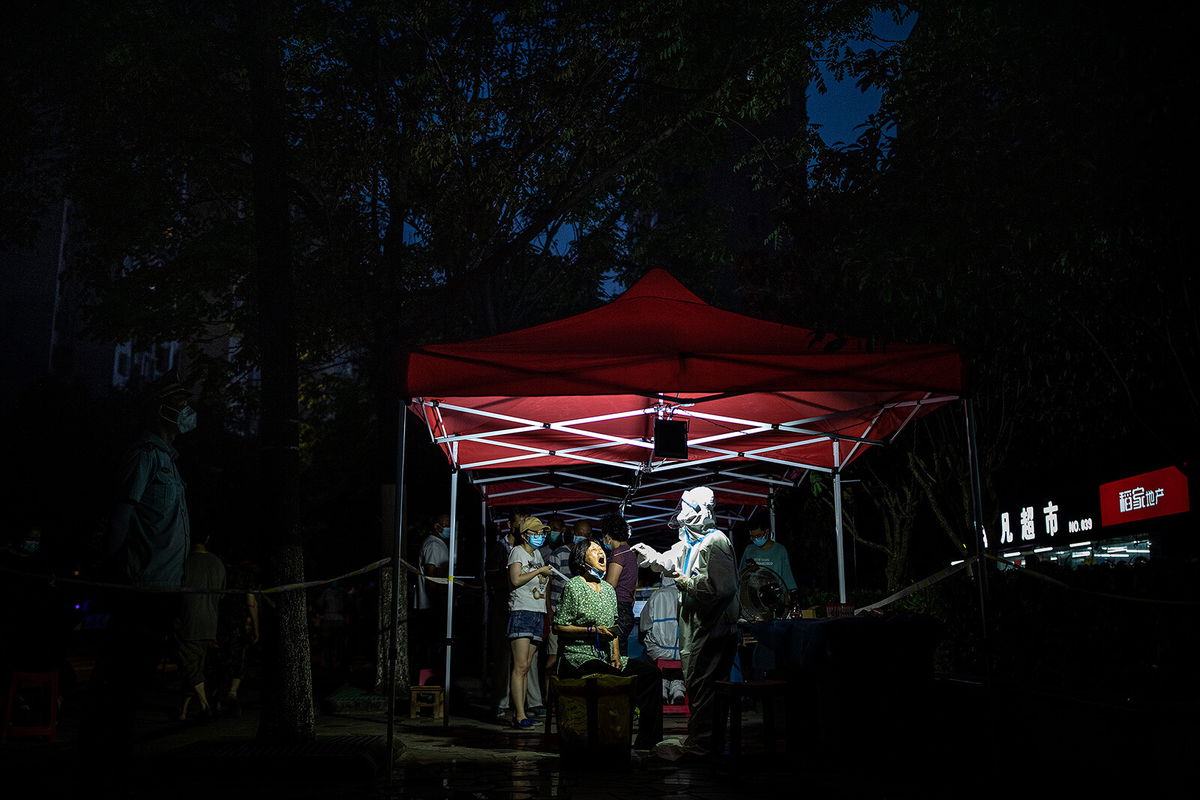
column 657, row 338
column 563, row 413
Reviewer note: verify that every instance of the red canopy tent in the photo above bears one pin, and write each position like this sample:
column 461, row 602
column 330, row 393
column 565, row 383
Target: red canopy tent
column 563, row 414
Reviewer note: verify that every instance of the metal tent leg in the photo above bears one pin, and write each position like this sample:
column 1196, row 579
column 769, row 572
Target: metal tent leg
column 454, row 476
column 837, row 521
column 980, row 534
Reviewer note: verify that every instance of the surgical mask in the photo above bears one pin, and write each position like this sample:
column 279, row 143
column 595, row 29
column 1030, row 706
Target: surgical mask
column 598, row 574
column 185, row 418
column 759, row 541
column 607, row 547
column 444, row 532
column 579, row 539
column 537, row 539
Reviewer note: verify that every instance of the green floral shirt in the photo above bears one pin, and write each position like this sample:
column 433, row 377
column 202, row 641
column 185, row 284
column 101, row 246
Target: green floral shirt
column 581, row 605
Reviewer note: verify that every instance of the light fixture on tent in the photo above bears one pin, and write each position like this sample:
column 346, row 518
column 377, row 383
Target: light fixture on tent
column 670, row 439
column 763, row 595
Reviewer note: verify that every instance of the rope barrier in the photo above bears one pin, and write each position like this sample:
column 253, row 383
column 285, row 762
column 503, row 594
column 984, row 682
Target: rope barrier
column 955, row 568
column 54, row 580
column 1033, row 573
column 918, row 586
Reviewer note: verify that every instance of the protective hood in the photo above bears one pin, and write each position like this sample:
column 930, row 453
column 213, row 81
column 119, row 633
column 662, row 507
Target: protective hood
column 694, row 513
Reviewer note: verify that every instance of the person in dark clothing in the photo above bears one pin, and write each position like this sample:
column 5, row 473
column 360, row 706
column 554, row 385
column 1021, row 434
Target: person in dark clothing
column 237, row 632
column 197, row 630
column 146, row 543
column 621, row 574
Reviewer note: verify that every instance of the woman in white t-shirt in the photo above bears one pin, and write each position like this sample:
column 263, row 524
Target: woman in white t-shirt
column 528, row 581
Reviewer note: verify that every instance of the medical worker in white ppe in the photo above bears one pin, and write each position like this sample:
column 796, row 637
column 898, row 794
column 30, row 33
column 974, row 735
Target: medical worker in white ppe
column 704, row 567
column 658, row 630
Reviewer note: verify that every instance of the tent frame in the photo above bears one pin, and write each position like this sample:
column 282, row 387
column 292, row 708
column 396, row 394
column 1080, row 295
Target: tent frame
column 590, row 473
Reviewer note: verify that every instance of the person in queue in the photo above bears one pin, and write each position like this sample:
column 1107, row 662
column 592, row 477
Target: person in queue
column 528, row 579
column 621, row 573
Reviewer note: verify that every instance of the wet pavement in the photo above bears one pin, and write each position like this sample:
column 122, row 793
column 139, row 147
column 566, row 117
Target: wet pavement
column 964, row 745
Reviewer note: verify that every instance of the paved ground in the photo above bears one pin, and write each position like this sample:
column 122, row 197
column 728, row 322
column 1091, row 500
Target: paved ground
column 964, row 745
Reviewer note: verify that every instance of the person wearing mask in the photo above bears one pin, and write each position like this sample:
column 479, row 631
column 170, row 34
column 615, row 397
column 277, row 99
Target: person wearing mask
column 659, row 631
column 528, row 579
column 764, row 551
column 621, row 573
column 585, row 621
column 433, row 562
column 500, row 660
column 554, row 537
column 145, row 545
column 704, row 568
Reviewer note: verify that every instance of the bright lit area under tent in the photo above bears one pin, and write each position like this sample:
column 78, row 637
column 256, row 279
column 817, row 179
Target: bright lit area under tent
column 563, row 415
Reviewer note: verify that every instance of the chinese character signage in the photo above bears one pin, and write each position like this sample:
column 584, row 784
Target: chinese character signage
column 1151, row 494
column 1041, row 523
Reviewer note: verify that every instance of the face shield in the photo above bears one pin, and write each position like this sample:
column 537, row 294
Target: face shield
column 694, row 514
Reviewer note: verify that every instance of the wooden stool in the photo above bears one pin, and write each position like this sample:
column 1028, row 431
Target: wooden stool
column 47, row 681
column 729, row 696
column 683, row 708
column 426, row 697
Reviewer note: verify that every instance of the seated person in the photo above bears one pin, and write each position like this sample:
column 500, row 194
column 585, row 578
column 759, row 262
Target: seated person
column 659, row 634
column 585, row 622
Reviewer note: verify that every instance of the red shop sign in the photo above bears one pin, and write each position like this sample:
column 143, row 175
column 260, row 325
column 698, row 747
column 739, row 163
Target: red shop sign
column 1151, row 494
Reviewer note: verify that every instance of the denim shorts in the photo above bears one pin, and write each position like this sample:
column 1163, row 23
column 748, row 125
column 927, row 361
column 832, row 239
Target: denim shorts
column 526, row 625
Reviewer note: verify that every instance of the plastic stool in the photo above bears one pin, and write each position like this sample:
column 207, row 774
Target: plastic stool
column 729, row 695
column 670, row 708
column 41, row 680
column 421, row 697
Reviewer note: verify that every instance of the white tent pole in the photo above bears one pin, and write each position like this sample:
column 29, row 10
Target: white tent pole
column 397, row 550
column 837, row 521
column 485, row 596
column 450, row 593
column 771, row 507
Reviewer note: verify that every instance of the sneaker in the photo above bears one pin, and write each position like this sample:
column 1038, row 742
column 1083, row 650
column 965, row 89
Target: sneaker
column 536, row 712
column 525, row 724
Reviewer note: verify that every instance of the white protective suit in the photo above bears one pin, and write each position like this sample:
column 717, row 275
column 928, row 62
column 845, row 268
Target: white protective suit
column 705, row 570
column 659, row 625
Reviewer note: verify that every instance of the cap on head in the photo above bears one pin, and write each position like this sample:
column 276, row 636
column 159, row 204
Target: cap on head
column 532, row 525
column 167, row 389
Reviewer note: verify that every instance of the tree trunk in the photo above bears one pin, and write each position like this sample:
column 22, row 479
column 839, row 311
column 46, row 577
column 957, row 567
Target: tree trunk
column 288, row 706
column 386, row 627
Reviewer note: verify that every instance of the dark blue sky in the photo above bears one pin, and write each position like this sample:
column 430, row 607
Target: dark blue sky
column 844, row 106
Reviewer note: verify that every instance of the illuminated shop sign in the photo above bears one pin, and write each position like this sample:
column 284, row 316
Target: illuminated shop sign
column 1151, row 494
column 1042, row 523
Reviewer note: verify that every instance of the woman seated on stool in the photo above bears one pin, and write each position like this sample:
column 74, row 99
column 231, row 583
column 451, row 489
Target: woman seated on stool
column 585, row 623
